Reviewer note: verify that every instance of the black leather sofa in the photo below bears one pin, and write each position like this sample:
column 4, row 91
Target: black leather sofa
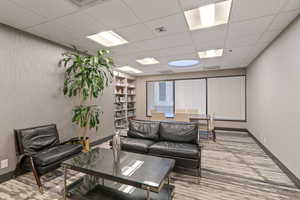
column 170, row 139
column 40, row 150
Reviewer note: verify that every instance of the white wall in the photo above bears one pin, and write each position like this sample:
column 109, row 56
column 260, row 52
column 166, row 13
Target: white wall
column 226, row 97
column 274, row 97
column 30, row 90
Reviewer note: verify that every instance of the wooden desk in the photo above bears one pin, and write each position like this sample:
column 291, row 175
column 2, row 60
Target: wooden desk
column 199, row 117
column 191, row 116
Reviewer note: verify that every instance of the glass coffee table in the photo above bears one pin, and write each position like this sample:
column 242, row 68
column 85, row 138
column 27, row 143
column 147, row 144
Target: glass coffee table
column 129, row 176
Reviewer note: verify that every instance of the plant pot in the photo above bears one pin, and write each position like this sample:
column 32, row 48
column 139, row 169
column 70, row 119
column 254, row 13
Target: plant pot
column 86, row 145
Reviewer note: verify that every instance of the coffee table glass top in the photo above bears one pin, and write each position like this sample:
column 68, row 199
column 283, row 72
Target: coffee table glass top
column 133, row 169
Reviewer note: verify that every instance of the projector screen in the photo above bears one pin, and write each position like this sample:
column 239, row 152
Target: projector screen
column 191, row 95
column 226, row 97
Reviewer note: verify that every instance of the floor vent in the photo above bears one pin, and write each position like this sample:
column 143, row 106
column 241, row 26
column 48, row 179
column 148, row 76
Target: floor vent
column 82, row 3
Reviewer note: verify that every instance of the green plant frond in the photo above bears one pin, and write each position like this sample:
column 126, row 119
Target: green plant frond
column 88, row 76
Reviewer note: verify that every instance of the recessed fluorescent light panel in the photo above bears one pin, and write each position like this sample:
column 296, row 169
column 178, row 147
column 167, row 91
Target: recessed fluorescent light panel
column 209, row 15
column 129, row 69
column 108, row 38
column 147, row 61
column 211, row 53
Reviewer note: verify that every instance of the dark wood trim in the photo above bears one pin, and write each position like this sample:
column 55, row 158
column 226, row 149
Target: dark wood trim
column 7, row 176
column 230, row 120
column 231, row 129
column 288, row 172
column 102, row 140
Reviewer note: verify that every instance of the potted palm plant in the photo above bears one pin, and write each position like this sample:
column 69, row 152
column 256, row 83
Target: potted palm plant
column 86, row 77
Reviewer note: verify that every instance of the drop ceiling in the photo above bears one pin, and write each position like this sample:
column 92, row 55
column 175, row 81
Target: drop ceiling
column 252, row 25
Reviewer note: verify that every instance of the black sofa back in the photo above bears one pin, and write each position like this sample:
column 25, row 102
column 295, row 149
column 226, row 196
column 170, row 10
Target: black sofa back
column 35, row 139
column 144, row 129
column 183, row 132
column 173, row 131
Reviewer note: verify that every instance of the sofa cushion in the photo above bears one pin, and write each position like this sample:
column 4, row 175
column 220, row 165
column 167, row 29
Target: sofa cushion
column 178, row 132
column 143, row 129
column 174, row 149
column 136, row 144
column 56, row 154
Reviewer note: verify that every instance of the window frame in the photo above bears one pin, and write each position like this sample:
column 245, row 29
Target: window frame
column 206, row 82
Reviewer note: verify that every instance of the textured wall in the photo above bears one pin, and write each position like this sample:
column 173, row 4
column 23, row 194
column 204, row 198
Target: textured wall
column 141, row 90
column 274, row 97
column 30, row 90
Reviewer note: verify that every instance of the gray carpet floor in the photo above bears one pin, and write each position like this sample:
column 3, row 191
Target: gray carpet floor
column 234, row 168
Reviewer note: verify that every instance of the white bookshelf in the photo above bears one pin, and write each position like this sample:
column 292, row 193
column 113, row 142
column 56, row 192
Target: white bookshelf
column 124, row 97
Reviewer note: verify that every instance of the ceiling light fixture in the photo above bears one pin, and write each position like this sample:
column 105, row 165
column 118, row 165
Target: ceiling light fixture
column 209, row 15
column 147, row 61
column 108, row 38
column 183, row 63
column 129, row 69
column 210, row 53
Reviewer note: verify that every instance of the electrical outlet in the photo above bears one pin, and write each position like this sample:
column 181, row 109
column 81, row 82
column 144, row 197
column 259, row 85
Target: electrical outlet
column 4, row 163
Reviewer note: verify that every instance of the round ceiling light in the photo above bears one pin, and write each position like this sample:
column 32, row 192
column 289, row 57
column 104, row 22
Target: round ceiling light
column 183, row 63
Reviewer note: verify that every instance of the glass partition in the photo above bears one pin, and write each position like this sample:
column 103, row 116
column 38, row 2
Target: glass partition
column 160, row 97
column 190, row 96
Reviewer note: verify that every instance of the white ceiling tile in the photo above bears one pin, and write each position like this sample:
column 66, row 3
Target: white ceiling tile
column 292, row 5
column 147, row 10
column 209, row 38
column 112, row 14
column 54, row 31
column 125, row 49
column 284, row 19
column 173, row 24
column 165, row 42
column 212, row 61
column 242, row 41
column 237, row 52
column 179, row 50
column 232, row 64
column 254, row 52
column 248, row 9
column 136, row 32
column 236, row 57
column 81, row 24
column 49, row 9
column 269, row 36
column 258, row 48
column 250, row 27
column 191, row 4
column 16, row 16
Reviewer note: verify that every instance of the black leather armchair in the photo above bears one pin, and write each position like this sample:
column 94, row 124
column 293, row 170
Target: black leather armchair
column 40, row 150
